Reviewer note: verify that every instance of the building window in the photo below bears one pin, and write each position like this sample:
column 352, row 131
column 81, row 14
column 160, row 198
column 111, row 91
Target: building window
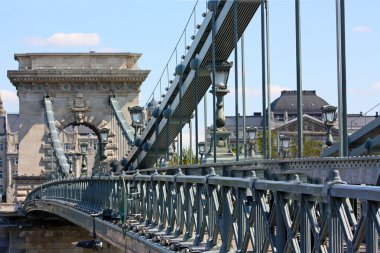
column 1, row 146
column 16, row 161
column 1, row 174
column 1, row 162
column 14, row 173
column 66, row 146
column 17, row 146
column 95, row 146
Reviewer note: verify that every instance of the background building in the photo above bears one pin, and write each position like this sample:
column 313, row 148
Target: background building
column 284, row 121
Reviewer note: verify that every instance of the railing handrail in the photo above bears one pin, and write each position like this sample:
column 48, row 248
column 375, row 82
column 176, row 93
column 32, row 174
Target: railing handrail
column 175, row 50
column 371, row 193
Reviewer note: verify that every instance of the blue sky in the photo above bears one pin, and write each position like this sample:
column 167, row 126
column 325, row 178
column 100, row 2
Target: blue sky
column 153, row 28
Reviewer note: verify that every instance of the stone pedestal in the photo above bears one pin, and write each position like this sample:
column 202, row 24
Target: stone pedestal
column 223, row 151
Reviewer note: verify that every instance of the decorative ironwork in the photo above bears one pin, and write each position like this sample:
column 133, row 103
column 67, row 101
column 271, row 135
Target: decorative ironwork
column 225, row 213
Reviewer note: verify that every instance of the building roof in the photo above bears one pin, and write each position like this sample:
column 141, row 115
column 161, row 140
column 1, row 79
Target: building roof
column 250, row 120
column 288, row 102
column 355, row 121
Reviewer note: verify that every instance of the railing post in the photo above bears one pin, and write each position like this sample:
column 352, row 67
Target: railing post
column 261, row 232
column 305, row 226
column 227, row 219
column 241, row 219
column 188, row 194
column 155, row 201
column 149, row 202
column 335, row 230
column 162, row 202
column 371, row 231
column 281, row 232
column 170, row 206
column 212, row 213
column 179, row 206
column 200, row 221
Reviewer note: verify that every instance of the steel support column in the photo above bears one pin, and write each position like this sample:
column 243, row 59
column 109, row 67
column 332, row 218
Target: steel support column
column 213, row 79
column 263, row 78
column 236, row 79
column 299, row 81
column 268, row 80
column 243, row 94
column 341, row 66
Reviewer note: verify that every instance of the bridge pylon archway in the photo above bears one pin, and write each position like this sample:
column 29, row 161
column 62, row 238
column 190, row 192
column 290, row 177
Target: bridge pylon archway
column 79, row 87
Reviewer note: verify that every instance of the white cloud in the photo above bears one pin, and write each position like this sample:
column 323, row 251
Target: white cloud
column 10, row 101
column 275, row 90
column 67, row 39
column 376, row 86
column 362, row 29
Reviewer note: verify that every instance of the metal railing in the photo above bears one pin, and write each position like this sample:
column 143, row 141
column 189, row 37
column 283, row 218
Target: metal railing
column 180, row 50
column 225, row 213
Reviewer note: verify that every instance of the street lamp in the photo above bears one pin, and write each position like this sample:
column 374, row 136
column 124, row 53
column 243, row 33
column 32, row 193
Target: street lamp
column 137, row 116
column 202, row 149
column 284, row 144
column 104, row 140
column 103, row 132
column 329, row 117
column 220, row 134
column 163, row 162
column 171, row 154
column 83, row 150
column 252, row 132
column 70, row 161
column 94, row 243
column 222, row 70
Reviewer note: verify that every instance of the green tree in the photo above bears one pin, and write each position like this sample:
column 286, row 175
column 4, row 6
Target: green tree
column 312, row 148
column 186, row 154
column 260, row 140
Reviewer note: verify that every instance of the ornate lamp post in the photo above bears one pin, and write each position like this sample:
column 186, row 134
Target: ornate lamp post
column 137, row 116
column 171, row 154
column 329, row 117
column 70, row 161
column 202, row 149
column 252, row 132
column 103, row 142
column 219, row 133
column 83, row 150
column 284, row 144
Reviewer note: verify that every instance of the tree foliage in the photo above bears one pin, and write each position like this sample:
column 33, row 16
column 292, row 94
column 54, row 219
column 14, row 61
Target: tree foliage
column 188, row 157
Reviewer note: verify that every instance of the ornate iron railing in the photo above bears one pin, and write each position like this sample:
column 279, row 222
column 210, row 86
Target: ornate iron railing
column 195, row 212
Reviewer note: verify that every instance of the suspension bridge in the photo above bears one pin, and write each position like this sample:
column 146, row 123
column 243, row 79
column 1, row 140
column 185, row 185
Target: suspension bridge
column 328, row 204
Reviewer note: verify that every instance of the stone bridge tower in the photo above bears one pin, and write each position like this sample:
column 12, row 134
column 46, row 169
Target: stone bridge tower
column 79, row 85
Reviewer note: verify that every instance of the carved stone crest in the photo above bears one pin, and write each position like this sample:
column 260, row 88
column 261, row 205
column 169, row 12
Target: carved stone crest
column 79, row 106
